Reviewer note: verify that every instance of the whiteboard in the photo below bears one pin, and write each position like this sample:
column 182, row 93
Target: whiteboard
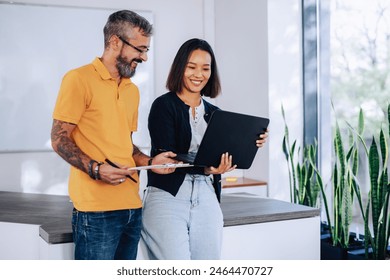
column 39, row 44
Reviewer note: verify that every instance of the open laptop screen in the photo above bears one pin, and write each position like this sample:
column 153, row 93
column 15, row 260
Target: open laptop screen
column 230, row 132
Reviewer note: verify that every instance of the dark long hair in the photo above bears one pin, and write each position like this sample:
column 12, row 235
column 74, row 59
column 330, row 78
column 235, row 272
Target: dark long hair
column 176, row 74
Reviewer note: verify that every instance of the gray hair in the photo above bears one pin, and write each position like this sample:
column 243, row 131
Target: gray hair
column 119, row 22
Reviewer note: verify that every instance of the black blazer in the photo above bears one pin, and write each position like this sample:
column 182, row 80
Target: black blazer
column 170, row 130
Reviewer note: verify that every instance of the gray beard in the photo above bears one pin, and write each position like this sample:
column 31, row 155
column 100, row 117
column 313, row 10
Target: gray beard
column 124, row 67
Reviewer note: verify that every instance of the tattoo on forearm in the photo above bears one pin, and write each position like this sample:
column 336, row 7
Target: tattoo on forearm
column 139, row 157
column 66, row 148
column 136, row 151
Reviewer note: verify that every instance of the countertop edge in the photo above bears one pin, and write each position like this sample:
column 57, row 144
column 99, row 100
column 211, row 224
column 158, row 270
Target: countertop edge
column 53, row 213
column 271, row 218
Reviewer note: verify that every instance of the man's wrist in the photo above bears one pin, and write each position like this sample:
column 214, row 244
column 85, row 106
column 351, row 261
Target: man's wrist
column 91, row 170
column 97, row 170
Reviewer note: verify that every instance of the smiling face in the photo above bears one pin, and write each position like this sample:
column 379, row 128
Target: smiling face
column 126, row 69
column 197, row 72
column 132, row 53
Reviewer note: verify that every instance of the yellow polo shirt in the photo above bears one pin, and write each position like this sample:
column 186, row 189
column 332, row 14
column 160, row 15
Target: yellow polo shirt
column 105, row 115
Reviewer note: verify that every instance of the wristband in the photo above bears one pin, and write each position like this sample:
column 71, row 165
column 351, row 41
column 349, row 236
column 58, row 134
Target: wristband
column 150, row 161
column 96, row 173
column 90, row 171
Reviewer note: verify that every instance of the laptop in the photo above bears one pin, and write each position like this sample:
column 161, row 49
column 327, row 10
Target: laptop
column 230, row 132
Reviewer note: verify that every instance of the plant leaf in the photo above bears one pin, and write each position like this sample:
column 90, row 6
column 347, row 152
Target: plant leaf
column 373, row 159
column 361, row 122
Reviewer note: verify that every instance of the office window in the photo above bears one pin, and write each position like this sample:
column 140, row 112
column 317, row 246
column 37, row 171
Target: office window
column 360, row 70
column 360, row 60
column 346, row 66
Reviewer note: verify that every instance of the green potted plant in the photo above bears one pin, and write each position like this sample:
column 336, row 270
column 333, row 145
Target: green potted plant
column 345, row 188
column 377, row 240
column 304, row 178
column 306, row 187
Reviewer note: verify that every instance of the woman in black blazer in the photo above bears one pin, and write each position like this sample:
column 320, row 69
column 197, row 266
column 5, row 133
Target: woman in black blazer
column 182, row 218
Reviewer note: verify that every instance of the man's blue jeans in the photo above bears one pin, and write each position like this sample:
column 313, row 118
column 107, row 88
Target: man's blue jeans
column 106, row 235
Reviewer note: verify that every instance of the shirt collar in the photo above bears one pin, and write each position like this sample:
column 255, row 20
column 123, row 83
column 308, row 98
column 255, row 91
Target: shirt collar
column 103, row 72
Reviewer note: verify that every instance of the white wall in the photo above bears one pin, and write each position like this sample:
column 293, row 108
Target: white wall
column 285, row 86
column 241, row 49
column 257, row 44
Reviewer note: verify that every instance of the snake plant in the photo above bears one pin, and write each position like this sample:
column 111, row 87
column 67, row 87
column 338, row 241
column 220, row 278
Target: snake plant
column 344, row 187
column 306, row 184
column 378, row 197
column 305, row 181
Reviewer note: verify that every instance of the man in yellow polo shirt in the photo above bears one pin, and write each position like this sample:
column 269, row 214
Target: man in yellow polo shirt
column 95, row 115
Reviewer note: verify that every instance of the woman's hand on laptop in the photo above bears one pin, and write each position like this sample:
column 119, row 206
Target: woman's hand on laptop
column 225, row 165
column 262, row 139
column 164, row 158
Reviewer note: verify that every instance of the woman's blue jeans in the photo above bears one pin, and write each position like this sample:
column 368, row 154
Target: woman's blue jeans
column 106, row 235
column 186, row 226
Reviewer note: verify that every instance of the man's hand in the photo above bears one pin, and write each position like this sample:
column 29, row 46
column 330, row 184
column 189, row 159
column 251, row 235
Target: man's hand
column 113, row 175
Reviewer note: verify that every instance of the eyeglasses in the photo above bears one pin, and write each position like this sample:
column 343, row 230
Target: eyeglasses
column 134, row 47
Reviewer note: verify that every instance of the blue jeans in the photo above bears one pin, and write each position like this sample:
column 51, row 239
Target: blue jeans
column 186, row 226
column 106, row 235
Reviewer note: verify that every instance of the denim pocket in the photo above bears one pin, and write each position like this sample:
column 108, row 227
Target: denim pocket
column 155, row 190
